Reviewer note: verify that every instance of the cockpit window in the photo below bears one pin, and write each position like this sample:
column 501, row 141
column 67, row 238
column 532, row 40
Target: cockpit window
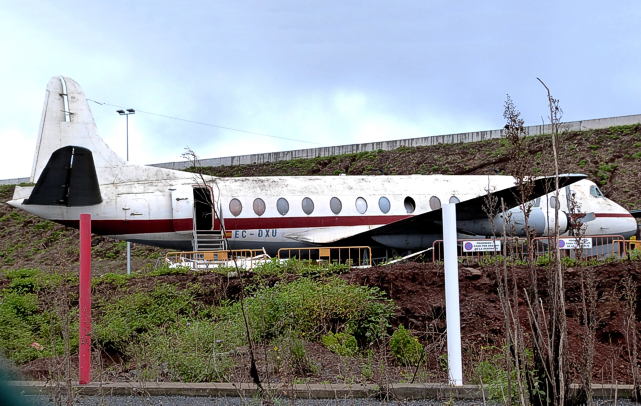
column 595, row 191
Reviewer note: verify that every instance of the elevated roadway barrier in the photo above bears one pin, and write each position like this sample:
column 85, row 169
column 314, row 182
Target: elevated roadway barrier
column 391, row 145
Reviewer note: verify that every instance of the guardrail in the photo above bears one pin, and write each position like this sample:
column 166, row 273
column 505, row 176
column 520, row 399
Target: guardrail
column 245, row 259
column 632, row 247
column 479, row 248
column 352, row 256
column 591, row 246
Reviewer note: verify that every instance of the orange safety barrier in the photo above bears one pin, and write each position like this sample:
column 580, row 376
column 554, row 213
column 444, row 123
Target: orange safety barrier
column 361, row 254
column 210, row 259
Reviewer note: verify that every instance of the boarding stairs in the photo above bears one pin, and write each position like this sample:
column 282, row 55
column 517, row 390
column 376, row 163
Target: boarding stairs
column 209, row 240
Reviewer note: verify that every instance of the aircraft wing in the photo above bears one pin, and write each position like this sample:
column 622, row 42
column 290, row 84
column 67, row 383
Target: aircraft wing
column 328, row 235
column 430, row 222
column 635, row 213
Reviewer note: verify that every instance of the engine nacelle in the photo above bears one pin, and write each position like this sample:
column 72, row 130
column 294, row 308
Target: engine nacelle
column 538, row 220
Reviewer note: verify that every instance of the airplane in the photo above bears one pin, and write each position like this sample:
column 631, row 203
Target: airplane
column 76, row 172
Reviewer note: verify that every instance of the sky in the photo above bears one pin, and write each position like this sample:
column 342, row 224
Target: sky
column 321, row 73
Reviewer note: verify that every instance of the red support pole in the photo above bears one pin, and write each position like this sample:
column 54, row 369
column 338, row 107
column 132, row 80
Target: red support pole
column 85, row 299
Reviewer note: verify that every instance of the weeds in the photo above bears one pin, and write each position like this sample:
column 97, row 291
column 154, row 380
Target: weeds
column 406, row 348
column 343, row 344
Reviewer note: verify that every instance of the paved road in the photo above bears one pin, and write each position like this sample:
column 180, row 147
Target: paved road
column 203, row 401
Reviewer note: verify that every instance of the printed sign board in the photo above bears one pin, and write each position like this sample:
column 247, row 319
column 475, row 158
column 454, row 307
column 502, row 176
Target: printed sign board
column 572, row 243
column 480, row 246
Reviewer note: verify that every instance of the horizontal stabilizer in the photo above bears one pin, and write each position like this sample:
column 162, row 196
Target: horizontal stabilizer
column 68, row 179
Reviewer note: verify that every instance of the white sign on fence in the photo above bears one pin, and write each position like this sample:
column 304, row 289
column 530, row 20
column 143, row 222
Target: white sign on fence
column 480, row 246
column 572, row 243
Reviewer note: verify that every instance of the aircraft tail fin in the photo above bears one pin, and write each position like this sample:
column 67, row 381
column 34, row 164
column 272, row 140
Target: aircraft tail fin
column 67, row 121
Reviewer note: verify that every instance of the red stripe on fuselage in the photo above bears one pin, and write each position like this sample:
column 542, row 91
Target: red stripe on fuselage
column 118, row 227
column 623, row 215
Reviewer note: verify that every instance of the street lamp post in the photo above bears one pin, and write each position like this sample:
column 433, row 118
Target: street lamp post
column 126, row 114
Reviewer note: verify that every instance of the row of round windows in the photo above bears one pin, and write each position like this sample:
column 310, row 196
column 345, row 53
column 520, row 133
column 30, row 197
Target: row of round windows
column 335, row 204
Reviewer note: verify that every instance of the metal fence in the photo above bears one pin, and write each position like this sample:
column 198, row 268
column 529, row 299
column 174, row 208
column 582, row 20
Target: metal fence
column 589, row 246
column 353, row 256
column 245, row 259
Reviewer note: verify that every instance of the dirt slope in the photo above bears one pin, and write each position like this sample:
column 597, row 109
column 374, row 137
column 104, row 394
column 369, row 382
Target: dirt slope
column 418, row 292
column 30, row 242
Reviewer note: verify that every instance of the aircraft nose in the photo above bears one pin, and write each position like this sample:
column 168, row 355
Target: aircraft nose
column 631, row 227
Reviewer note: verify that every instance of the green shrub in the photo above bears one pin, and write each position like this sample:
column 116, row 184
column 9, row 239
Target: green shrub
column 275, row 267
column 290, row 354
column 23, row 323
column 22, row 280
column 120, row 321
column 312, row 308
column 341, row 343
column 196, row 351
column 116, row 279
column 406, row 348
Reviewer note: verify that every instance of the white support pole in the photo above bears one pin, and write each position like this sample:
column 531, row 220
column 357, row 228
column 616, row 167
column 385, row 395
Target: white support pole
column 452, row 309
column 128, row 243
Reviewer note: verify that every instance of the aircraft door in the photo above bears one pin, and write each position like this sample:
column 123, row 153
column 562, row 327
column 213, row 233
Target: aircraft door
column 133, row 209
column 182, row 207
column 203, row 208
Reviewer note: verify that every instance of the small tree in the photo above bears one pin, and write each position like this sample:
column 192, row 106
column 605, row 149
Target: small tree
column 208, row 181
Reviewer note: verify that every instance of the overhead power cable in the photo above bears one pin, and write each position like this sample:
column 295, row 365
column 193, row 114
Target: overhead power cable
column 210, row 125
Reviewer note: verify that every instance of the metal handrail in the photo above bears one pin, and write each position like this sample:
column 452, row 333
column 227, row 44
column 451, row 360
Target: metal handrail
column 217, row 257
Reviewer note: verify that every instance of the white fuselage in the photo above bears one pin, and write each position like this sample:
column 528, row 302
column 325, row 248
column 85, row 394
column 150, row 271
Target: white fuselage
column 162, row 212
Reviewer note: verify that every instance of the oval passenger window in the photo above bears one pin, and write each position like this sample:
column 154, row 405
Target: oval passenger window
column 308, row 205
column 435, row 203
column 454, row 199
column 259, row 206
column 336, row 205
column 384, row 204
column 410, row 204
column 361, row 205
column 553, row 202
column 235, row 207
column 282, row 205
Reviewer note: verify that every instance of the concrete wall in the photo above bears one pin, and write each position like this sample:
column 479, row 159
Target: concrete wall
column 384, row 145
column 14, row 181
column 390, row 145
